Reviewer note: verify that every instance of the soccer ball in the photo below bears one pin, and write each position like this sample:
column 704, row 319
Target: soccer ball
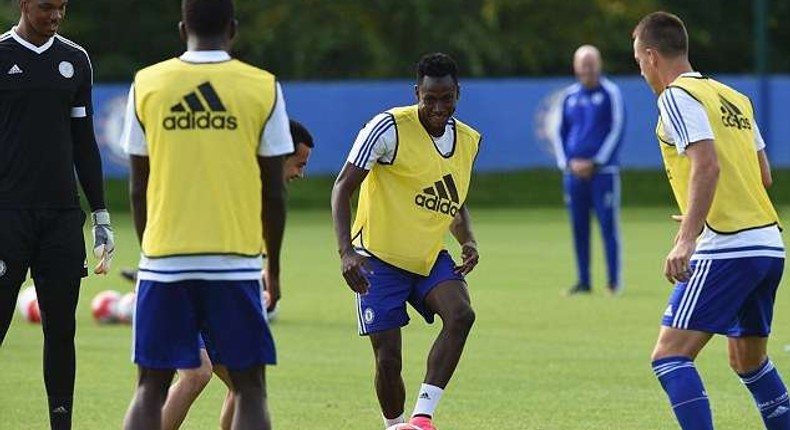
column 124, row 310
column 27, row 304
column 104, row 305
column 403, row 426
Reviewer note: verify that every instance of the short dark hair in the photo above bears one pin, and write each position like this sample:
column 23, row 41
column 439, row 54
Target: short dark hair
column 299, row 134
column 663, row 32
column 436, row 65
column 207, row 18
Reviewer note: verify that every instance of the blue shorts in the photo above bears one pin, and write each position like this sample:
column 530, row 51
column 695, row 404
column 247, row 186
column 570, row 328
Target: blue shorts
column 171, row 315
column 204, row 340
column 733, row 297
column 384, row 306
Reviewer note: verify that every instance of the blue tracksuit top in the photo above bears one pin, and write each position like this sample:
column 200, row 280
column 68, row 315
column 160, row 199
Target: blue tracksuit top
column 591, row 125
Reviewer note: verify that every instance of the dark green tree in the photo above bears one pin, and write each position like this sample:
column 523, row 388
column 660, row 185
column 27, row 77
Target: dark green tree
column 379, row 39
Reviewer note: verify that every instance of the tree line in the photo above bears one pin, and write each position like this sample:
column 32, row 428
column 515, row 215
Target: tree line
column 381, row 39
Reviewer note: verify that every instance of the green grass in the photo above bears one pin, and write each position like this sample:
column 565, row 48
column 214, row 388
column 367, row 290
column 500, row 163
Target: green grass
column 516, row 189
column 535, row 359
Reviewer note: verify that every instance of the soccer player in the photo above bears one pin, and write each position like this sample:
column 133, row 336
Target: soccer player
column 46, row 134
column 728, row 256
column 191, row 382
column 206, row 136
column 586, row 145
column 296, row 162
column 413, row 166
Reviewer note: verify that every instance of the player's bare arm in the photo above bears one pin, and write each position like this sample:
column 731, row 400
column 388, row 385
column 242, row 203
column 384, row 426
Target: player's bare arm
column 702, row 186
column 765, row 169
column 461, row 228
column 138, row 186
column 273, row 218
column 352, row 264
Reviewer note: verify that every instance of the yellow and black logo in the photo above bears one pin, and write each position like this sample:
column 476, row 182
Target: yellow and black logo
column 731, row 116
column 441, row 197
column 206, row 113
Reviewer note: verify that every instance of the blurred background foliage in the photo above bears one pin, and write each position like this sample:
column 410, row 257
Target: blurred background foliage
column 380, row 39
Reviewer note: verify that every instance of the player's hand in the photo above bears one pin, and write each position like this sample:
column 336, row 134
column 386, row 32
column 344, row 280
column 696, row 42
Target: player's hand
column 582, row 167
column 272, row 285
column 469, row 257
column 354, row 267
column 676, row 266
column 103, row 243
column 677, row 218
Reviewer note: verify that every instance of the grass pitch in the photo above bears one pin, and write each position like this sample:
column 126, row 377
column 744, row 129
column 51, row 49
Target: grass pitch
column 535, row 360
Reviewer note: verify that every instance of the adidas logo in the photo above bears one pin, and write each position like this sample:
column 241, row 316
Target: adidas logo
column 200, row 110
column 425, row 396
column 668, row 312
column 778, row 411
column 732, row 116
column 15, row 70
column 60, row 410
column 442, row 197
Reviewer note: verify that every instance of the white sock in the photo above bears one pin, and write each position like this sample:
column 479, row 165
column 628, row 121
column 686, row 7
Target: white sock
column 427, row 400
column 391, row 422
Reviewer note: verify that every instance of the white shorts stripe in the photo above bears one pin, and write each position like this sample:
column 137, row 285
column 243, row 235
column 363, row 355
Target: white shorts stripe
column 700, row 285
column 360, row 315
column 686, row 296
column 134, row 320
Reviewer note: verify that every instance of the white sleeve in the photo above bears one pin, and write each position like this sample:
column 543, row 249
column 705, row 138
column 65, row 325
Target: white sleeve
column 554, row 119
column 759, row 143
column 133, row 137
column 377, row 141
column 276, row 137
column 616, row 130
column 684, row 118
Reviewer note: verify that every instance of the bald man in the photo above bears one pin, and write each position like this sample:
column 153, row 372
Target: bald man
column 586, row 144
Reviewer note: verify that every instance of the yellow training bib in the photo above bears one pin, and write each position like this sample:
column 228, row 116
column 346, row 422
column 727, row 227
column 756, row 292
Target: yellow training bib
column 202, row 124
column 741, row 202
column 406, row 207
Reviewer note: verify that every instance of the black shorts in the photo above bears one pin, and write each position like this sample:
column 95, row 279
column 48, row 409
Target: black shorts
column 49, row 242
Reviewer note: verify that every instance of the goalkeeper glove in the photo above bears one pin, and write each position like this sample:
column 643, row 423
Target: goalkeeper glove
column 103, row 243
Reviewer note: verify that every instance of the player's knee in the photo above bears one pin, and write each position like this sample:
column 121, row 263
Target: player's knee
column 195, row 381
column 249, row 389
column 664, row 350
column 744, row 363
column 461, row 320
column 153, row 392
column 203, row 376
column 248, row 382
column 58, row 328
column 59, row 340
column 657, row 355
column 736, row 365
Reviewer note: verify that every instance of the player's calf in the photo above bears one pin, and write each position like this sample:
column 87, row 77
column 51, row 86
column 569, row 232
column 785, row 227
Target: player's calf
column 683, row 385
column 145, row 411
column 390, row 389
column 249, row 389
column 770, row 395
